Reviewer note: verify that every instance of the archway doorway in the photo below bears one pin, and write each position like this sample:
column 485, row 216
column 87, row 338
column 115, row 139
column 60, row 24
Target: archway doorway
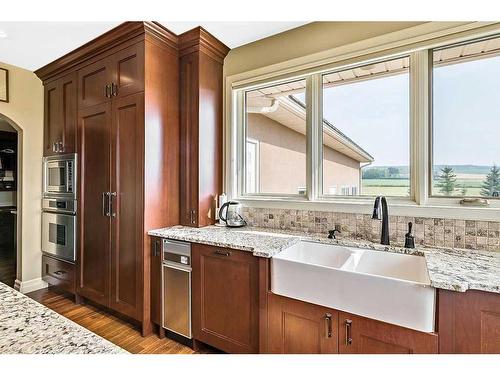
column 9, row 200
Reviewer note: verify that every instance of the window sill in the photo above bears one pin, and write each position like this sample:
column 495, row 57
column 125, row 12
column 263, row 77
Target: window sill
column 397, row 207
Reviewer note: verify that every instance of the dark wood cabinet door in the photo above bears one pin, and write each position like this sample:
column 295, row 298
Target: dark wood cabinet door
column 156, row 280
column 60, row 113
column 94, row 129
column 128, row 70
column 94, row 83
column 358, row 335
column 52, row 132
column 226, row 298
column 68, row 88
column 127, row 140
column 296, row 327
column 469, row 323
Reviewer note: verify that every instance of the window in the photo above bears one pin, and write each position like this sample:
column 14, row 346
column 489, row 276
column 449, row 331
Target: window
column 420, row 127
column 465, row 121
column 365, row 129
column 275, row 139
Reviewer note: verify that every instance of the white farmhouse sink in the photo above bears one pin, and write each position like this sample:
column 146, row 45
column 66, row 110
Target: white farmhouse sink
column 390, row 287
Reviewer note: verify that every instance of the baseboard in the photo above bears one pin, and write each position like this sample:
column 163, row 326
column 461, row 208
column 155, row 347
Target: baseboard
column 30, row 285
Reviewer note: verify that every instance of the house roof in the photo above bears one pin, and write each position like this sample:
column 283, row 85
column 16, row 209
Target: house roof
column 290, row 112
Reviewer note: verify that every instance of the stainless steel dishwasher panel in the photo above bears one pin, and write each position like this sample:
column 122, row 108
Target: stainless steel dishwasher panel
column 177, row 287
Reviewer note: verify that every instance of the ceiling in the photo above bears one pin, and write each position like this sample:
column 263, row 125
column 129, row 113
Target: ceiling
column 31, row 45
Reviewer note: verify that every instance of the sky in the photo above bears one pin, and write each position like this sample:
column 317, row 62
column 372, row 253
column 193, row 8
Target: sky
column 467, row 113
column 375, row 114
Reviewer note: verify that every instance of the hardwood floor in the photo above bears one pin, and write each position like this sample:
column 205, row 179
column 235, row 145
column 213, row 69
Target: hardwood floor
column 117, row 331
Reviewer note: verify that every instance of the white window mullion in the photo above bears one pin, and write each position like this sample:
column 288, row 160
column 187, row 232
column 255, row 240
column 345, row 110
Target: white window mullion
column 419, row 125
column 239, row 141
column 313, row 119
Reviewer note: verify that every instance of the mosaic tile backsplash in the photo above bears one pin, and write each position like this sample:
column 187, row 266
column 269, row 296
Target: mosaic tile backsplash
column 462, row 234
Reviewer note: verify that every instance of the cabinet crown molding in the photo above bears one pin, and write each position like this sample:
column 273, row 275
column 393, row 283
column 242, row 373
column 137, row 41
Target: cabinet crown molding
column 199, row 39
column 105, row 42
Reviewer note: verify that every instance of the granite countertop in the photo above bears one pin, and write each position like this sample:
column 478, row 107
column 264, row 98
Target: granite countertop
column 261, row 243
column 27, row 327
column 451, row 269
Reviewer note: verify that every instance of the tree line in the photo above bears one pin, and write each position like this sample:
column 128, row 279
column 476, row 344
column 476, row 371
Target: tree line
column 447, row 182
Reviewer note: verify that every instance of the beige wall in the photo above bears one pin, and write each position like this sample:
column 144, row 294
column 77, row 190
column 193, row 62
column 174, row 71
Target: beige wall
column 308, row 39
column 25, row 109
column 339, row 170
column 282, row 154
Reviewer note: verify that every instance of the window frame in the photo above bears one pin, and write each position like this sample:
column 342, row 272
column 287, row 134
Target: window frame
column 319, row 141
column 418, row 48
column 435, row 198
column 242, row 138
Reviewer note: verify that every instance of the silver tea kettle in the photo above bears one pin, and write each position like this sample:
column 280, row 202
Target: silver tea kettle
column 232, row 215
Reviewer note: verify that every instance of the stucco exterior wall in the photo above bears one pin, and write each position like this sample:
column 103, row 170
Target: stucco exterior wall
column 282, row 159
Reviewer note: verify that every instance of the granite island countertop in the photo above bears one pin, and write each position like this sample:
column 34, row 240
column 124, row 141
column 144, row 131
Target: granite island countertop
column 450, row 269
column 27, row 327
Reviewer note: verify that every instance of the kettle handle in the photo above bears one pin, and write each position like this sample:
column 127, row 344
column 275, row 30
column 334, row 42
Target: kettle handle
column 225, row 205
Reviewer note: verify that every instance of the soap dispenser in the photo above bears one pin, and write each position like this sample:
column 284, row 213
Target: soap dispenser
column 409, row 238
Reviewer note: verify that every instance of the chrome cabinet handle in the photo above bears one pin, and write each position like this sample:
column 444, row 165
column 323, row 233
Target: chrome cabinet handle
column 348, row 327
column 110, row 203
column 59, row 272
column 114, row 89
column 192, row 216
column 222, row 252
column 328, row 318
column 107, row 91
column 53, row 146
column 103, row 197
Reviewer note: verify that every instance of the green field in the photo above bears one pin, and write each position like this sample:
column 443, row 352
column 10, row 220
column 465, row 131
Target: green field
column 386, row 186
column 400, row 186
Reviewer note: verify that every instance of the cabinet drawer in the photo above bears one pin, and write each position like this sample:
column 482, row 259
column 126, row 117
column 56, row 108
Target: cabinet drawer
column 58, row 273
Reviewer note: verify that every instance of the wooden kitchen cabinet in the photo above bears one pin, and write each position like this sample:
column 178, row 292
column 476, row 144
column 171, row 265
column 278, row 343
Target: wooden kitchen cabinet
column 114, row 250
column 201, row 62
column 469, row 323
column 60, row 114
column 128, row 70
column 225, row 298
column 123, row 91
column 94, row 83
column 128, row 159
column 117, row 75
column 359, row 335
column 296, row 327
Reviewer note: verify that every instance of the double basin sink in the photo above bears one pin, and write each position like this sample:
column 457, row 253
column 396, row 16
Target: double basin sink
column 390, row 287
